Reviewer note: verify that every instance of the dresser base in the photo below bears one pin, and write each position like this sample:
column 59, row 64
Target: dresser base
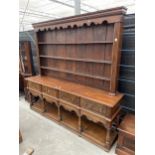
column 89, row 113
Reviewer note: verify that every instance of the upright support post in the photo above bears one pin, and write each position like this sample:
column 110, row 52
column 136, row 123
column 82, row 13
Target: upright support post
column 59, row 114
column 31, row 98
column 117, row 38
column 79, row 124
column 44, row 105
column 108, row 136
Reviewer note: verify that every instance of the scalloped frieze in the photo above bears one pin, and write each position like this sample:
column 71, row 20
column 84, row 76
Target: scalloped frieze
column 74, row 25
column 69, row 108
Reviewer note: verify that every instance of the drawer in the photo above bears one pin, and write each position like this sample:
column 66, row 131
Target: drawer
column 95, row 107
column 49, row 91
column 35, row 86
column 69, row 98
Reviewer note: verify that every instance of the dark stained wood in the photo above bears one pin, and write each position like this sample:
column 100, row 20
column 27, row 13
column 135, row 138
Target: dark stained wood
column 78, row 60
column 75, row 59
column 115, row 57
column 126, row 139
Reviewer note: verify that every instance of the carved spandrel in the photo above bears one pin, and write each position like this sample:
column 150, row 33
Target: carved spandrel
column 35, row 93
column 50, row 100
column 95, row 119
column 69, row 108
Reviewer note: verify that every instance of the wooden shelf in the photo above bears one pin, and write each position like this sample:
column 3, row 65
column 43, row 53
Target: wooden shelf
column 93, row 130
column 76, row 59
column 96, row 132
column 76, row 43
column 51, row 111
column 69, row 119
column 38, row 106
column 79, row 74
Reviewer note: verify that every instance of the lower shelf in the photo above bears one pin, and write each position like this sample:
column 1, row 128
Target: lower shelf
column 38, row 105
column 69, row 119
column 122, row 151
column 94, row 130
column 51, row 111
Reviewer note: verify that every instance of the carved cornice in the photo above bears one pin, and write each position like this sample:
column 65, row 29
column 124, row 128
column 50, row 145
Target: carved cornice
column 100, row 17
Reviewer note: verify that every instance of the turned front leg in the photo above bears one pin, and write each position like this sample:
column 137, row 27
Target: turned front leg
column 108, row 136
column 31, row 100
column 25, row 92
column 44, row 105
column 79, row 124
column 59, row 114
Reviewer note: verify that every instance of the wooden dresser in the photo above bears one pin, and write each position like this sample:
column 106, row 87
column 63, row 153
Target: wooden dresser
column 79, row 60
column 126, row 138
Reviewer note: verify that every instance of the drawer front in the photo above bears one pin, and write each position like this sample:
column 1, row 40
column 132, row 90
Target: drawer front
column 95, row 107
column 49, row 91
column 35, row 86
column 70, row 98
